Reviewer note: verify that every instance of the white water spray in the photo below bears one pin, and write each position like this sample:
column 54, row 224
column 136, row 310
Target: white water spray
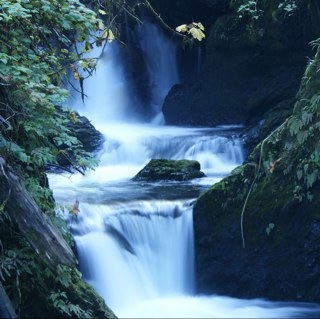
column 106, row 98
column 137, row 251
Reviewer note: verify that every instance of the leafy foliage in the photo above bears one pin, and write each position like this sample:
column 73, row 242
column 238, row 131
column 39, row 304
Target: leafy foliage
column 37, row 48
column 38, row 52
column 256, row 14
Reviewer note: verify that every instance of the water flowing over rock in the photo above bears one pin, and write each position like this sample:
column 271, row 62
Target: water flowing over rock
column 162, row 169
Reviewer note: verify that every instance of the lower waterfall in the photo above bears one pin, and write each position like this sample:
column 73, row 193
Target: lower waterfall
column 134, row 240
column 139, row 251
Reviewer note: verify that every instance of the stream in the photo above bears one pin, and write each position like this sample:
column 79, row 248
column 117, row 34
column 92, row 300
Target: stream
column 134, row 240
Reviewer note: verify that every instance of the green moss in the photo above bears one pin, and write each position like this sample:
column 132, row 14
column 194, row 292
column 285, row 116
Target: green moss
column 272, row 171
column 39, row 289
column 164, row 169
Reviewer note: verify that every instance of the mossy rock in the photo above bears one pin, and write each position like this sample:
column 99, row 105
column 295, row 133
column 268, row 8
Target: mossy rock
column 257, row 231
column 164, row 169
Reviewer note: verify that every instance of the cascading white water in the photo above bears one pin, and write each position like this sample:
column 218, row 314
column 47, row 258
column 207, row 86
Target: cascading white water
column 136, row 251
column 135, row 240
column 106, row 98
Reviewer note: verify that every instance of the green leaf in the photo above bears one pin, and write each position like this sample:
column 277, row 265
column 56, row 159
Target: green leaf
column 312, row 178
column 299, row 174
column 269, row 228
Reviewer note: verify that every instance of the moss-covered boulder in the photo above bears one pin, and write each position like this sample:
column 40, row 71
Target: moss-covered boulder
column 257, row 232
column 164, row 169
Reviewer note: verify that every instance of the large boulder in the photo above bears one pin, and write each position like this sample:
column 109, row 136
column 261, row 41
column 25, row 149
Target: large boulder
column 257, row 232
column 81, row 128
column 90, row 138
column 164, row 169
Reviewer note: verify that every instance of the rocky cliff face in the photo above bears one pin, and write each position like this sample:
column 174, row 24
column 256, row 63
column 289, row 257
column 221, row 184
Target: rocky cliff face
column 257, row 232
column 248, row 68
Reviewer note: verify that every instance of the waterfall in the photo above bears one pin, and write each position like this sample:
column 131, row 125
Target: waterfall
column 106, row 98
column 134, row 240
column 136, row 251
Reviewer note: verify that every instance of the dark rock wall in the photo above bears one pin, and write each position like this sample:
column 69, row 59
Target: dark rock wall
column 246, row 71
column 277, row 192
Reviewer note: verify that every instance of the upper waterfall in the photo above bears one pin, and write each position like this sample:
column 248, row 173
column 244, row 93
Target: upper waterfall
column 106, row 98
column 110, row 97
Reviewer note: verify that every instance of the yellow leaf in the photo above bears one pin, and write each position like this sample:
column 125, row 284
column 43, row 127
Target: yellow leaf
column 101, row 25
column 108, row 35
column 76, row 75
column 197, row 34
column 102, row 12
column 73, row 117
column 199, row 25
column 182, row 28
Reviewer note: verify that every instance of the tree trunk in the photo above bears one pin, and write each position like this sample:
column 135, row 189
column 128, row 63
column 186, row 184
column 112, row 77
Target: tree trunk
column 31, row 222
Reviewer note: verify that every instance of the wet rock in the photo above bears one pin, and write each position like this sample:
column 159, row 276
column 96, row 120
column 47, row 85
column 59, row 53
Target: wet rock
column 91, row 139
column 163, row 169
column 80, row 127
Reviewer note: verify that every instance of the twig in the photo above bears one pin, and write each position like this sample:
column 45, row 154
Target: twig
column 254, row 180
column 60, row 167
column 72, row 164
column 82, row 93
column 166, row 26
column 132, row 15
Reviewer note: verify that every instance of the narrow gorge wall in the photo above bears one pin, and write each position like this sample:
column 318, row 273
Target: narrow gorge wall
column 247, row 69
column 257, row 232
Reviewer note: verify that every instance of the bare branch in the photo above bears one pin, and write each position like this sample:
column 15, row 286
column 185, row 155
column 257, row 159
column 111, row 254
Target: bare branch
column 147, row 4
